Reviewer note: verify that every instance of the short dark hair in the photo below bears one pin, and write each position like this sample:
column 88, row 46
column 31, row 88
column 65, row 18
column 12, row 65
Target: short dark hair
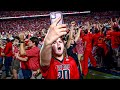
column 8, row 40
column 86, row 31
column 35, row 40
column 116, row 28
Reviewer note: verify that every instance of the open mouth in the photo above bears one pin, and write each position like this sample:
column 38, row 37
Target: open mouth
column 59, row 48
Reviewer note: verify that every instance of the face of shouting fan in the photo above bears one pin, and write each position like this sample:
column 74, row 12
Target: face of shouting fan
column 58, row 47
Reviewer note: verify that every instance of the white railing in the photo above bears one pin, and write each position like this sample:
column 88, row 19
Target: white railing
column 33, row 16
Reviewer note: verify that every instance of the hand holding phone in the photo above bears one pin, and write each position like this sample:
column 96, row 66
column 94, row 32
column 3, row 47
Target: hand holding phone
column 55, row 15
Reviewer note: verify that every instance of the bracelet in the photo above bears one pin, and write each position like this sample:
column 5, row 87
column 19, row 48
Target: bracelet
column 21, row 41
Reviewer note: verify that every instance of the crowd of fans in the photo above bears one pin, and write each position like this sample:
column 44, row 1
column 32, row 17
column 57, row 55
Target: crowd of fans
column 38, row 23
column 93, row 37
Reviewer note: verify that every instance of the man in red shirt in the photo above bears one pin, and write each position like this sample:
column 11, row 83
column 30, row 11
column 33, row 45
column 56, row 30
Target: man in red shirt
column 53, row 63
column 114, row 36
column 88, row 53
column 100, row 47
column 27, row 73
column 8, row 56
column 32, row 54
column 87, row 39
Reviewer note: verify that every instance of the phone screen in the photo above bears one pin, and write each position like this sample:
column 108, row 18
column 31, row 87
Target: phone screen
column 56, row 15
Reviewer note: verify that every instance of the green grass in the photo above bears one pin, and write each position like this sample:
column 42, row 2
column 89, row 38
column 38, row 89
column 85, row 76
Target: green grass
column 100, row 75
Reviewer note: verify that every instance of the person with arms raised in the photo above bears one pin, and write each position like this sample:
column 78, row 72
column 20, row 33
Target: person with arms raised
column 53, row 63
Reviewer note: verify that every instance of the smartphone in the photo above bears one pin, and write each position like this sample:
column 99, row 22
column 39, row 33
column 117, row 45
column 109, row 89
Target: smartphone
column 55, row 15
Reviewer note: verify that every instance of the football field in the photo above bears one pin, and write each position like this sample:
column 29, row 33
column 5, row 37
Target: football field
column 93, row 74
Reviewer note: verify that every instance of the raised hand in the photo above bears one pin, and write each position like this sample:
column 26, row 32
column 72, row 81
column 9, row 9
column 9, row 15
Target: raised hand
column 21, row 36
column 55, row 31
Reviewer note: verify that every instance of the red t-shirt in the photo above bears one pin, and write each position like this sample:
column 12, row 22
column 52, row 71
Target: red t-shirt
column 88, row 39
column 33, row 55
column 8, row 49
column 67, row 69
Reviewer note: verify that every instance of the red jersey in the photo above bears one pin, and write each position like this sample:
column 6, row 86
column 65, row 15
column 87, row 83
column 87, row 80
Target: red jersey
column 8, row 49
column 66, row 69
column 33, row 55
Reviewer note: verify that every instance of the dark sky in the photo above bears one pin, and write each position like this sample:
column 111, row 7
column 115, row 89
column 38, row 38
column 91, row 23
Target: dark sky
column 95, row 5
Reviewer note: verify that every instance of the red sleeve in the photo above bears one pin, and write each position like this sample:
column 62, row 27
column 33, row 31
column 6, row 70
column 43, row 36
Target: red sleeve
column 6, row 50
column 22, row 57
column 115, row 33
column 45, row 69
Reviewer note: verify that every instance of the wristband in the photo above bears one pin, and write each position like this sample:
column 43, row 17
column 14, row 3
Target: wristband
column 21, row 41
